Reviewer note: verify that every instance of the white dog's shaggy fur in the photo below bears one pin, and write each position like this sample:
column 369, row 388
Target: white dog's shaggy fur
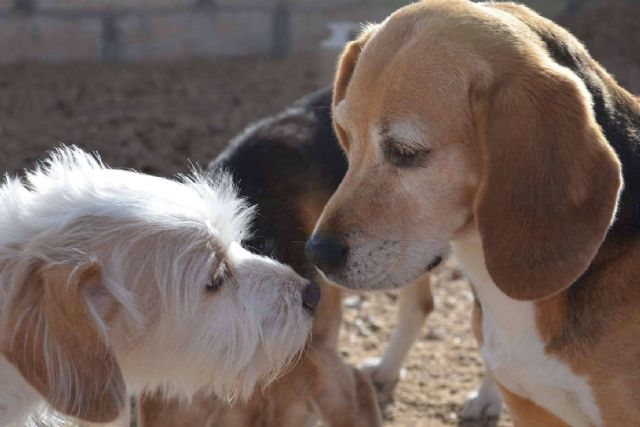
column 113, row 281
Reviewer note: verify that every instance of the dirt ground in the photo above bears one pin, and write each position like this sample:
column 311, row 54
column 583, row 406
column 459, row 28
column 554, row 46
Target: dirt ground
column 157, row 117
column 443, row 367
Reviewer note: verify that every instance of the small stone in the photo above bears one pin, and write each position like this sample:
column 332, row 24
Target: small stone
column 374, row 324
column 436, row 334
column 354, row 301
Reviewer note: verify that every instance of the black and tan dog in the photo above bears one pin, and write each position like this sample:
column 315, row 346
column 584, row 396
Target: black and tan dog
column 485, row 125
column 288, row 166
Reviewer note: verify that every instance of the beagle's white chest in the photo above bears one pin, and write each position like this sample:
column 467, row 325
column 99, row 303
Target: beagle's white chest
column 514, row 352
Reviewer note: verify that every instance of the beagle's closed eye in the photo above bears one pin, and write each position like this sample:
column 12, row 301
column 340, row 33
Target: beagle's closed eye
column 404, row 144
column 404, row 156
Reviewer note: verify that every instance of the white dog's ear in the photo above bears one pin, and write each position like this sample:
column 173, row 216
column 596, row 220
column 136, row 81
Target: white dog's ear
column 549, row 181
column 52, row 336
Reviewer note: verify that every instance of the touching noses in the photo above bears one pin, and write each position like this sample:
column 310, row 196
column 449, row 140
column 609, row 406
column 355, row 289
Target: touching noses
column 326, row 253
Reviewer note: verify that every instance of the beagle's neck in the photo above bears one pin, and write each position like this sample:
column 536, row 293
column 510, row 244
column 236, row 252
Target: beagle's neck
column 505, row 310
column 515, row 350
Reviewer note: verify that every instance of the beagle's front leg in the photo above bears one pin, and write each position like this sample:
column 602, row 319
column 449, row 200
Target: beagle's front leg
column 486, row 401
column 414, row 305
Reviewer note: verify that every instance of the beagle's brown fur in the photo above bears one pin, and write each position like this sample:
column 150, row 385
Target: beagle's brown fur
column 488, row 126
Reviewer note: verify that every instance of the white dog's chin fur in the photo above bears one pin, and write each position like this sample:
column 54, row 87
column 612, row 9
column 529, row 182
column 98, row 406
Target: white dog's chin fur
column 156, row 242
column 242, row 338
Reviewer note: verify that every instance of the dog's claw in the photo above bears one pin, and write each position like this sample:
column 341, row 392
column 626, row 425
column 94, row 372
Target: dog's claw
column 383, row 382
column 481, row 406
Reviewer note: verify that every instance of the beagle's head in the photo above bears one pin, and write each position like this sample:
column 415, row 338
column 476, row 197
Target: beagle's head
column 455, row 120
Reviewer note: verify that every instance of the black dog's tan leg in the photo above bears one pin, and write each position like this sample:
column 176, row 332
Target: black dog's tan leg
column 328, row 319
column 154, row 410
column 415, row 304
column 342, row 395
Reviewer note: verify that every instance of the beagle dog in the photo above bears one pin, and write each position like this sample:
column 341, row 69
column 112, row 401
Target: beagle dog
column 488, row 127
column 113, row 281
column 288, row 166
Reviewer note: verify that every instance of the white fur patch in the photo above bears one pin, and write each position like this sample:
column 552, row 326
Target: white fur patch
column 408, row 133
column 514, row 352
column 339, row 113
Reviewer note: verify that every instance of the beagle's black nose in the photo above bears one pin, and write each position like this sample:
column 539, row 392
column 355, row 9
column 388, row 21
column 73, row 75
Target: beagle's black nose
column 327, row 254
column 311, row 296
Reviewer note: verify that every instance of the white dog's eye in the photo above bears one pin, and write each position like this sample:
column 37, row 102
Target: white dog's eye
column 219, row 277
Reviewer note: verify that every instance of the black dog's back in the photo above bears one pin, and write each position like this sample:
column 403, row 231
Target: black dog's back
column 288, row 166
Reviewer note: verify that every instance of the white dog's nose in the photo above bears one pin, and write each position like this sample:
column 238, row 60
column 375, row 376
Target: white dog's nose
column 311, row 296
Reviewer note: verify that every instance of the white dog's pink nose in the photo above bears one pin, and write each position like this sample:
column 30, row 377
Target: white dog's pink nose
column 311, row 296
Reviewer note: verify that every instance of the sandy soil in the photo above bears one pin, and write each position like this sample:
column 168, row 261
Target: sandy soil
column 149, row 116
column 156, row 117
column 443, row 367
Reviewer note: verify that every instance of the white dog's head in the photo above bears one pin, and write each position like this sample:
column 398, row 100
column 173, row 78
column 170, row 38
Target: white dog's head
column 112, row 280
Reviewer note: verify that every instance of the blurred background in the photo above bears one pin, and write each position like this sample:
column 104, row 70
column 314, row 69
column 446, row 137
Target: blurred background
column 149, row 83
column 152, row 84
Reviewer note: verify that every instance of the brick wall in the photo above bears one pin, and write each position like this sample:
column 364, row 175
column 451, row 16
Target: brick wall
column 132, row 30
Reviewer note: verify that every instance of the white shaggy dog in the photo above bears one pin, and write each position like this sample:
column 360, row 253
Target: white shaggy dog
column 113, row 281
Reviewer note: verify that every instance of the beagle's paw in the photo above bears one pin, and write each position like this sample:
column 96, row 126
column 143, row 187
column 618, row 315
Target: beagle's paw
column 482, row 404
column 384, row 380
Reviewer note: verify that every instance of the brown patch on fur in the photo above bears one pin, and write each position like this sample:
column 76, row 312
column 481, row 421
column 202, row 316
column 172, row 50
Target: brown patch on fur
column 52, row 339
column 328, row 317
column 546, row 253
column 321, row 384
column 155, row 410
column 309, row 208
column 525, row 413
column 598, row 316
column 476, row 321
column 425, row 296
column 417, row 296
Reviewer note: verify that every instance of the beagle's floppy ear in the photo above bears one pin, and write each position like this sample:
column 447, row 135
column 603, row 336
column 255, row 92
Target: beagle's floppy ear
column 549, row 182
column 52, row 337
column 346, row 67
